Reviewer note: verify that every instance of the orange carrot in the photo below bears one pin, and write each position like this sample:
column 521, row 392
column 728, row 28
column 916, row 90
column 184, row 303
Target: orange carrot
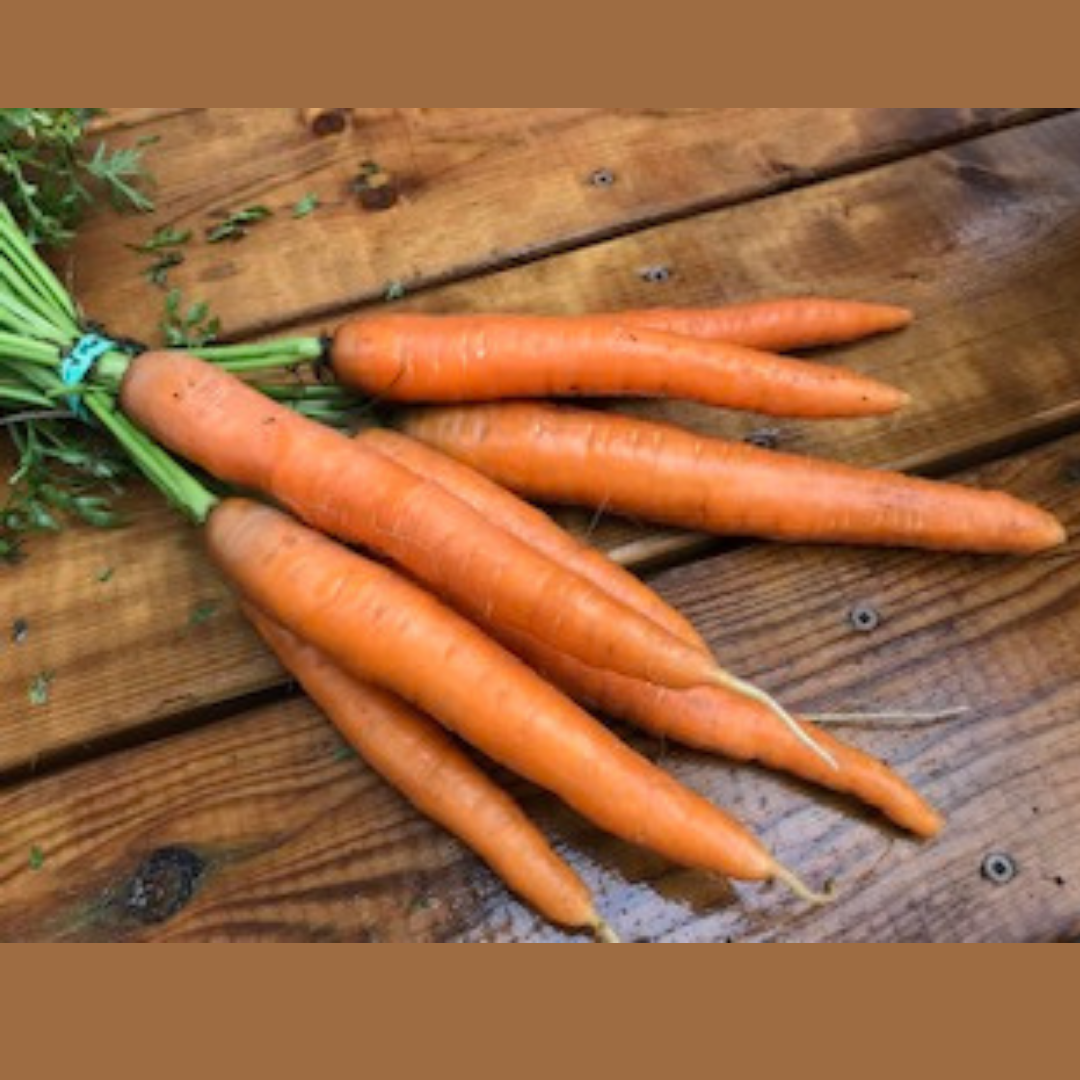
column 383, row 629
column 487, row 357
column 798, row 322
column 530, row 525
column 340, row 487
column 537, row 531
column 709, row 719
column 662, row 473
column 424, row 763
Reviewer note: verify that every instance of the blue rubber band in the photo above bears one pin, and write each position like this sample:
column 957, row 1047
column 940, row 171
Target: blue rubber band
column 77, row 364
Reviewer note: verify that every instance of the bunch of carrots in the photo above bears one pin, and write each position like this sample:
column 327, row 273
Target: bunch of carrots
column 417, row 599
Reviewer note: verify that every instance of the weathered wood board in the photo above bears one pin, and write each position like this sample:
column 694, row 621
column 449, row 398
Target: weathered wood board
column 260, row 827
column 960, row 361
column 478, row 189
column 254, row 825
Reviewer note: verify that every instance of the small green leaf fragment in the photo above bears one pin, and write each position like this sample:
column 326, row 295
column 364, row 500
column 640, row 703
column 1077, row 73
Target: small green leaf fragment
column 165, row 237
column 235, row 225
column 203, row 612
column 308, row 204
column 40, row 686
column 342, row 752
column 395, row 290
column 36, row 859
column 157, row 273
column 105, row 574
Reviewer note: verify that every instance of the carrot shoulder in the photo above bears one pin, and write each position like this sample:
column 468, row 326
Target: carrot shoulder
column 357, row 495
column 489, row 357
column 383, row 629
column 662, row 473
column 418, row 758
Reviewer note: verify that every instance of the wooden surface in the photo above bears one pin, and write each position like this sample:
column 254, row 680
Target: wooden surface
column 174, row 787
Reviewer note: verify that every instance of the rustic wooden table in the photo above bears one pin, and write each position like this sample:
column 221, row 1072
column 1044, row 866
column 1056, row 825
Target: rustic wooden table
column 174, row 786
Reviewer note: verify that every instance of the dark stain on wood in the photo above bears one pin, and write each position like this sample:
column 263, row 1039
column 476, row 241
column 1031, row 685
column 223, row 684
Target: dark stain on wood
column 162, row 884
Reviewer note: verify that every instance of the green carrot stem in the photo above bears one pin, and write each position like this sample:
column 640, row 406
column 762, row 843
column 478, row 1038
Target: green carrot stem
column 20, row 395
column 178, row 486
column 20, row 250
column 261, row 355
column 19, row 347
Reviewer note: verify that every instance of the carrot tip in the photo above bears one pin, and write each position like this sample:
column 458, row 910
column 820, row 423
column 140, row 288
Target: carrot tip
column 754, row 693
column 801, row 889
column 604, row 934
column 899, row 317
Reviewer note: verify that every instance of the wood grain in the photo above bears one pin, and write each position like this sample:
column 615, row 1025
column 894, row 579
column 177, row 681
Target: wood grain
column 123, row 118
column 475, row 189
column 101, row 616
column 260, row 828
column 992, row 362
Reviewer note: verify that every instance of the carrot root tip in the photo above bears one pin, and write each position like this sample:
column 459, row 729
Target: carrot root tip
column 890, row 717
column 754, row 693
column 803, row 891
column 604, row 934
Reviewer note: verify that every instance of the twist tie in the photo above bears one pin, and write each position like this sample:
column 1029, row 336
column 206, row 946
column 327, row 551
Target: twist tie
column 78, row 362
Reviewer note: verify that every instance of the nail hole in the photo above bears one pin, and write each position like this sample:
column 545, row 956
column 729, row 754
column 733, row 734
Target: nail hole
column 998, row 868
column 864, row 618
column 656, row 274
column 20, row 631
column 601, row 178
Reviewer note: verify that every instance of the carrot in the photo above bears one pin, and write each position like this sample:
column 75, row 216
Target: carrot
column 340, row 487
column 662, row 473
column 529, row 524
column 418, row 758
column 538, row 532
column 383, row 629
column 713, row 720
column 709, row 719
column 798, row 322
column 487, row 357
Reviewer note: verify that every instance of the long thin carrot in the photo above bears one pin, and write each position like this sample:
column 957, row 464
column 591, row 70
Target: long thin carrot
column 797, row 322
column 529, row 524
column 708, row 719
column 383, row 629
column 488, row 357
column 538, row 532
column 711, row 719
column 340, row 487
column 418, row 758
column 662, row 473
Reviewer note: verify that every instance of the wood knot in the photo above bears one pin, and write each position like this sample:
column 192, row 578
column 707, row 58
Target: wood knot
column 375, row 187
column 164, row 882
column 325, row 121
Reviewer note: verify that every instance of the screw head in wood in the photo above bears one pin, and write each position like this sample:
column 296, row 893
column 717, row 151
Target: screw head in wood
column 998, row 868
column 864, row 617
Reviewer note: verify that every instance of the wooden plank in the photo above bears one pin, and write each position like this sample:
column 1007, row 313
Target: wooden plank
column 257, row 828
column 999, row 299
column 478, row 188
column 94, row 618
